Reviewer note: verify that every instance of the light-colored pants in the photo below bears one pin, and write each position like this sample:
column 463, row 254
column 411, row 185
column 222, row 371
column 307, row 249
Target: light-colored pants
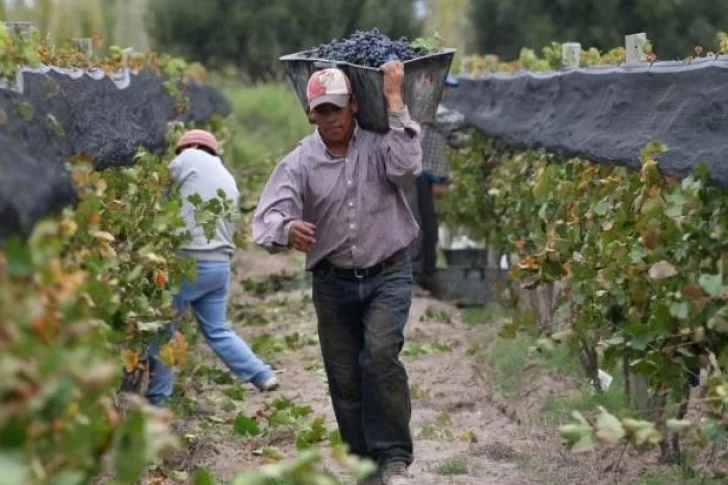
column 208, row 296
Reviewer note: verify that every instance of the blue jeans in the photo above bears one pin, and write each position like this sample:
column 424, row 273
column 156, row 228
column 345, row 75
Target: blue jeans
column 207, row 295
column 361, row 329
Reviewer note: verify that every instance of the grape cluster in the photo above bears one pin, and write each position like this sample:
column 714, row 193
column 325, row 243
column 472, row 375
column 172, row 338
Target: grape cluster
column 370, row 48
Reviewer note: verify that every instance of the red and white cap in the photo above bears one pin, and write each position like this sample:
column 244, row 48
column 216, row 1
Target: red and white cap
column 328, row 86
column 197, row 137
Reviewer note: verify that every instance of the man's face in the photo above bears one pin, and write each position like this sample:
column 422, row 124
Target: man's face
column 334, row 123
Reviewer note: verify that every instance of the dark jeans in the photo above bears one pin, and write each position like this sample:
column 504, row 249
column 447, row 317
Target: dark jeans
column 361, row 329
column 423, row 250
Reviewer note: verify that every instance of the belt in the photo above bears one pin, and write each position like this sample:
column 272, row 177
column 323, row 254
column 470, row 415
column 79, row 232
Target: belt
column 364, row 273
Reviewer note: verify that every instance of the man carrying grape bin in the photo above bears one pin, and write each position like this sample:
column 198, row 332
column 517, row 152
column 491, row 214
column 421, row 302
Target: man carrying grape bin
column 339, row 198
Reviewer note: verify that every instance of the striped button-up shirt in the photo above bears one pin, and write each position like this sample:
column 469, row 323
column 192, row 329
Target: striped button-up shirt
column 355, row 201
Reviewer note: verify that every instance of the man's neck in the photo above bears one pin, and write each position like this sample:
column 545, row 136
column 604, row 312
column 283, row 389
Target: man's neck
column 340, row 149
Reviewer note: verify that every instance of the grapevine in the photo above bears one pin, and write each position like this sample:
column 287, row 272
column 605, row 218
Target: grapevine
column 79, row 303
column 641, row 257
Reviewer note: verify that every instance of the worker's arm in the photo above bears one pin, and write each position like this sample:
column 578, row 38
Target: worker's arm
column 281, row 204
column 400, row 148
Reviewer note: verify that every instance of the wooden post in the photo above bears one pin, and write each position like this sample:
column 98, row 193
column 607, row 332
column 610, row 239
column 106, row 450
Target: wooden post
column 570, row 54
column 635, row 46
column 85, row 45
column 22, row 28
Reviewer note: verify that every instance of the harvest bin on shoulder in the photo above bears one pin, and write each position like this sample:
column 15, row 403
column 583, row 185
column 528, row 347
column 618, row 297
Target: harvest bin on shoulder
column 423, row 85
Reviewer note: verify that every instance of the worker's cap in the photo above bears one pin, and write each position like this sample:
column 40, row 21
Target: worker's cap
column 452, row 81
column 328, row 86
column 197, row 137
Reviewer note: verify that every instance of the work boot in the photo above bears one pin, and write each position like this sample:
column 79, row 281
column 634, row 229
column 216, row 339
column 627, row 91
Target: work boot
column 395, row 473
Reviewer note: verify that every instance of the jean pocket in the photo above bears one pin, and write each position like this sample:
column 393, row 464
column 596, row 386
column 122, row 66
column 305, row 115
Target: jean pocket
column 401, row 269
column 321, row 275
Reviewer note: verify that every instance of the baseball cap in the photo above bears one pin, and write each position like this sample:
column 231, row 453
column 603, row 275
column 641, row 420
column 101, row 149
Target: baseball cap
column 328, row 86
column 198, row 137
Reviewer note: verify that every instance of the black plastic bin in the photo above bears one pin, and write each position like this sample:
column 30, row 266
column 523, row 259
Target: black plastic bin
column 423, row 85
column 468, row 257
column 468, row 286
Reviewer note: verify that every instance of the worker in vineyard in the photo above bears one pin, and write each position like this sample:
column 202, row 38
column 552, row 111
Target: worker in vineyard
column 445, row 130
column 197, row 169
column 339, row 198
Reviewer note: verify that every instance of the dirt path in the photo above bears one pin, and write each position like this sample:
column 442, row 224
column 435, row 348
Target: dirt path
column 462, row 437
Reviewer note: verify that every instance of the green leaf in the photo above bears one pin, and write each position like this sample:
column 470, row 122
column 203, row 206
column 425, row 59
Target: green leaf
column 15, row 469
column 712, row 284
column 69, row 478
column 642, row 432
column 204, row 477
column 335, row 438
column 609, row 429
column 678, row 425
column 680, row 310
column 719, row 321
column 179, row 476
column 578, row 437
column 602, row 208
column 131, row 451
column 316, row 433
column 246, row 426
column 280, row 418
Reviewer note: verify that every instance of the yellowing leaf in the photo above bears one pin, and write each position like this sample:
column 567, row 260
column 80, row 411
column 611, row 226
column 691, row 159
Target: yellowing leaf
column 154, row 258
column 103, row 236
column 106, row 250
column 174, row 352
column 130, row 359
column 609, row 429
column 678, row 425
column 160, row 278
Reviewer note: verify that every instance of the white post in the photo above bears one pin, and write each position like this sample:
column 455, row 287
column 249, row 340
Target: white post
column 24, row 29
column 571, row 54
column 125, row 55
column 635, row 46
column 85, row 45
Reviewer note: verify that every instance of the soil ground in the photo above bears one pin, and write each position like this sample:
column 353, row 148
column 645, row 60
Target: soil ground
column 467, row 429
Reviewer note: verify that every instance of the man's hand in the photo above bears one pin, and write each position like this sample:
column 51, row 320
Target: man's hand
column 302, row 236
column 393, row 81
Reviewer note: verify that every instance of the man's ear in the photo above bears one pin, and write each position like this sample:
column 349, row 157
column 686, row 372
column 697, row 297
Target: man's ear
column 354, row 104
column 309, row 115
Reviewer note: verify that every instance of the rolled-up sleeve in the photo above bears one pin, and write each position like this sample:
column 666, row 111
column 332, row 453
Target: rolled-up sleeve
column 281, row 203
column 401, row 148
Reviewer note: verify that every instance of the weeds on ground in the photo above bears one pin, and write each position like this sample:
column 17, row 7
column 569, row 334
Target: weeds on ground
column 453, row 466
column 509, row 360
column 418, row 350
column 436, row 315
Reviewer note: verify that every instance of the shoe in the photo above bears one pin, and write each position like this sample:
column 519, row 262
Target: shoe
column 396, row 474
column 270, row 384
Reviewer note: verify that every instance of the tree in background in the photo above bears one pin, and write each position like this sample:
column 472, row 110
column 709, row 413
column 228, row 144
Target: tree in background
column 504, row 26
column 252, row 34
column 449, row 19
column 117, row 21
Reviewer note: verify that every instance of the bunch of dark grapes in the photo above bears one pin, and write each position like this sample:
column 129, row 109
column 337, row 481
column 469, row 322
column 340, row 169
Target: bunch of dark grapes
column 370, row 48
